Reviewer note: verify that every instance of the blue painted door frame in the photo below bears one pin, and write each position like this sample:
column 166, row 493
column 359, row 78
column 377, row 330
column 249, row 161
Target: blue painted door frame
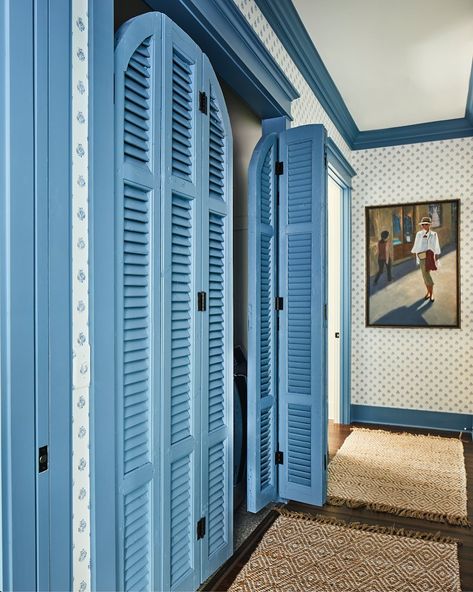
column 34, row 301
column 342, row 172
column 17, row 295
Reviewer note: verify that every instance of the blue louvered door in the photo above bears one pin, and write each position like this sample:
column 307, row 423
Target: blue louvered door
column 138, row 299
column 175, row 380
column 181, row 247
column 302, row 335
column 262, row 329
column 217, row 321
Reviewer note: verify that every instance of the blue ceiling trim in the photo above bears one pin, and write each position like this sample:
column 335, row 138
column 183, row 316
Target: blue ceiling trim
column 469, row 100
column 338, row 160
column 412, row 134
column 237, row 54
column 286, row 23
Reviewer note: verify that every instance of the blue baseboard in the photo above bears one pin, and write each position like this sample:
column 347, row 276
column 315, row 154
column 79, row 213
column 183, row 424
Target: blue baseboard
column 413, row 418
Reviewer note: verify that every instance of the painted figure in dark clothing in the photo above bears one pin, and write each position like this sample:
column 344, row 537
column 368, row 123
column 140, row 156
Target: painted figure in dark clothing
column 385, row 256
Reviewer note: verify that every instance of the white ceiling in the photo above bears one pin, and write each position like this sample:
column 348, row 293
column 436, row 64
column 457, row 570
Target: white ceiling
column 395, row 63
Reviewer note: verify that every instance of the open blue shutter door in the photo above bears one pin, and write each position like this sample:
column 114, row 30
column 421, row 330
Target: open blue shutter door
column 217, row 335
column 137, row 110
column 181, row 334
column 302, row 345
column 262, row 329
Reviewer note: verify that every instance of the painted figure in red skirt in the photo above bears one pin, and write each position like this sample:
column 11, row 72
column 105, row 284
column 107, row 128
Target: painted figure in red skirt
column 427, row 249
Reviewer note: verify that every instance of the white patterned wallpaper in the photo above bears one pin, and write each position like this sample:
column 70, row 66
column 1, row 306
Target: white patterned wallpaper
column 80, row 299
column 307, row 108
column 413, row 172
column 428, row 369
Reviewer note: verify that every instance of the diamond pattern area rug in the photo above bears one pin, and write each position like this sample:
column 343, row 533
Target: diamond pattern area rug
column 307, row 554
column 404, row 474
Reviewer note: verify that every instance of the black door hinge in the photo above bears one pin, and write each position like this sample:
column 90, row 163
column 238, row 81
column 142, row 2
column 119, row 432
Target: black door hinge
column 279, row 170
column 43, row 459
column 325, row 312
column 279, row 303
column 201, row 301
column 201, row 528
column 326, row 461
column 203, row 102
column 279, row 457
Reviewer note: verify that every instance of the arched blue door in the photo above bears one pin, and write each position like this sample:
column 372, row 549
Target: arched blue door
column 174, row 289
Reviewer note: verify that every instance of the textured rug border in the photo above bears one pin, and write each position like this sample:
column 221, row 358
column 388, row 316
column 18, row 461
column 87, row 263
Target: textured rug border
column 455, row 520
column 393, row 433
column 409, row 513
column 436, row 537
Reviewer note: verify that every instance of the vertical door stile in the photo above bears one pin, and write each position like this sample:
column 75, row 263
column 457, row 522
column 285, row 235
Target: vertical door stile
column 181, row 325
column 137, row 189
column 217, row 335
column 262, row 325
column 302, row 336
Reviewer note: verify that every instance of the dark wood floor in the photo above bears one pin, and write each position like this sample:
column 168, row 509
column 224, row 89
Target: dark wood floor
column 222, row 580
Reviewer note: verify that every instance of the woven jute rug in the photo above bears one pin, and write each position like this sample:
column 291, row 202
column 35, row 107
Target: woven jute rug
column 404, row 474
column 301, row 553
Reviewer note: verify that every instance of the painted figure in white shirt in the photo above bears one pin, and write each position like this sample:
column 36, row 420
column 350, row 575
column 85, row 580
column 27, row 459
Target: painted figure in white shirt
column 426, row 240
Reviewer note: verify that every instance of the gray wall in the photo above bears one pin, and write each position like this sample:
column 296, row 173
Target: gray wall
column 246, row 128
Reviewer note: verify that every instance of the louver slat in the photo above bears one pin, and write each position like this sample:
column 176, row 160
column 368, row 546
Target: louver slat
column 181, row 513
column 217, row 498
column 216, row 322
column 182, row 116
column 266, row 459
column 216, row 151
column 181, row 282
column 137, row 537
column 299, row 305
column 137, row 104
column 136, row 329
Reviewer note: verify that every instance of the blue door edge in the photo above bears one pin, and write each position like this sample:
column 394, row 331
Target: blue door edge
column 343, row 171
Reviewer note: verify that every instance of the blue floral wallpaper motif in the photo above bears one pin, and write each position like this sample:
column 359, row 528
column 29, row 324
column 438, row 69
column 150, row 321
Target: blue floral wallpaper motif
column 427, row 369
column 80, row 300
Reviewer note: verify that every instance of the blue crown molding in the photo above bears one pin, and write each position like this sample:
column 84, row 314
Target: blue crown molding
column 286, row 23
column 237, row 54
column 412, row 134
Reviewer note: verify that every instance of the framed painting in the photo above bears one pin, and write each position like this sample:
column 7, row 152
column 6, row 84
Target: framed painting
column 412, row 265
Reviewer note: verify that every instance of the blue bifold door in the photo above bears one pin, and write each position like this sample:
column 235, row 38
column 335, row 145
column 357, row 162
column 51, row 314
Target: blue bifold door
column 174, row 315
column 287, row 415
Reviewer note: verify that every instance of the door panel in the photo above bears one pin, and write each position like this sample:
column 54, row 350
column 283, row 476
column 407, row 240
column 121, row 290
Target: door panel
column 181, row 245
column 262, row 325
column 302, row 336
column 217, row 334
column 173, row 189
column 137, row 109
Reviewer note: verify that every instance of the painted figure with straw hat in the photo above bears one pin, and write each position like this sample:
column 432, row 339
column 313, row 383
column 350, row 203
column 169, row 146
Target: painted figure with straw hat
column 427, row 249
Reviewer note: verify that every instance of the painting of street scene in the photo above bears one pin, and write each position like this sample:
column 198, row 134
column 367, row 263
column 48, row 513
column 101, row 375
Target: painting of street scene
column 412, row 265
